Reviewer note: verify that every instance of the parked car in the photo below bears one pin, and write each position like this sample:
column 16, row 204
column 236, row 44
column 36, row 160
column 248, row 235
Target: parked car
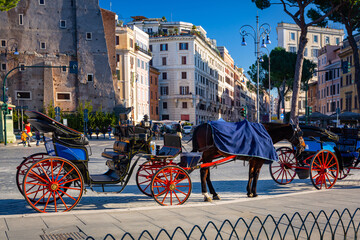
column 187, row 129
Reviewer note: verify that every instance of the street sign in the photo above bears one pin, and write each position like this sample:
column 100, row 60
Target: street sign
column 337, row 110
column 86, row 115
column 57, row 118
column 282, row 116
column 73, row 67
column 57, row 114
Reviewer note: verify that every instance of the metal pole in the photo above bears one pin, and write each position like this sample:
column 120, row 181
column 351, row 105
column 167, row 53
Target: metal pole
column 18, row 113
column 22, row 119
column 257, row 61
column 269, row 92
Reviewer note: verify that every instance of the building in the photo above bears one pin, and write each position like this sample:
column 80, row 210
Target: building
column 349, row 97
column 154, row 93
column 196, row 81
column 46, row 35
column 328, row 80
column 313, row 98
column 288, row 37
column 132, row 59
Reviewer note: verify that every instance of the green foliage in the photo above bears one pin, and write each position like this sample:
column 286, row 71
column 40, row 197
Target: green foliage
column 262, row 4
column 6, row 5
column 50, row 110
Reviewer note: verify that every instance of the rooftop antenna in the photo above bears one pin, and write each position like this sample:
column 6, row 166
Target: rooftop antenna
column 110, row 5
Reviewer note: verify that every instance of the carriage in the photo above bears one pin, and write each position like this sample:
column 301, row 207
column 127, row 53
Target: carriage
column 54, row 181
column 328, row 156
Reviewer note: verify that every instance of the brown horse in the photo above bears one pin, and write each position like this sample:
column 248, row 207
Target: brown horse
column 203, row 142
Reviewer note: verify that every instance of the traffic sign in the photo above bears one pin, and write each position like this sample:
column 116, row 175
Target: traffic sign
column 57, row 110
column 57, row 118
column 86, row 115
column 282, row 116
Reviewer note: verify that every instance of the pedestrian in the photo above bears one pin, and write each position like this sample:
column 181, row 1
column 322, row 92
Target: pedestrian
column 90, row 132
column 179, row 129
column 28, row 133
column 103, row 131
column 109, row 129
column 37, row 137
column 23, row 138
column 97, row 131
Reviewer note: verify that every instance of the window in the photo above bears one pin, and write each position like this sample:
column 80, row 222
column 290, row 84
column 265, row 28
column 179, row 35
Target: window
column 138, row 62
column 316, row 39
column 164, row 75
column 142, row 64
column 43, row 45
column 292, row 49
column 163, row 47
column 117, row 40
column 21, row 19
column 117, row 58
column 41, row 2
column 62, row 24
column 131, row 42
column 3, row 43
column 314, row 52
column 88, row 36
column 183, row 60
column 292, row 36
column 90, row 77
column 164, row 105
column 22, row 95
column 150, row 47
column 327, row 40
column 63, row 96
column 164, row 61
column 306, row 52
column 157, row 110
column 184, row 105
column 184, row 90
column 21, row 65
column 337, row 40
column 183, row 75
column 183, row 46
column 164, row 90
column 165, row 117
column 3, row 67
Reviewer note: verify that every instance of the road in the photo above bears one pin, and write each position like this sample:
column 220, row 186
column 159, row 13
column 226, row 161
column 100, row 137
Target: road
column 229, row 180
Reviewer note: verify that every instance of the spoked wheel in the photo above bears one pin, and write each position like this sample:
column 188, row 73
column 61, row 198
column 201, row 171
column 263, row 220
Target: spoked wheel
column 283, row 171
column 171, row 185
column 343, row 173
column 53, row 185
column 24, row 166
column 324, row 169
column 145, row 173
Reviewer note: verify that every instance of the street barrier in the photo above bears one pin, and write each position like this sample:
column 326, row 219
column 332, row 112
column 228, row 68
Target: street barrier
column 344, row 225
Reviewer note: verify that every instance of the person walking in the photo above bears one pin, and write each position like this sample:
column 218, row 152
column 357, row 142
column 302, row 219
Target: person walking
column 179, row 129
column 37, row 137
column 109, row 129
column 28, row 133
column 97, row 131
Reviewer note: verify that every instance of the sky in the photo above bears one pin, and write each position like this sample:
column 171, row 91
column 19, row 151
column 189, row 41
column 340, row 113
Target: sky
column 221, row 19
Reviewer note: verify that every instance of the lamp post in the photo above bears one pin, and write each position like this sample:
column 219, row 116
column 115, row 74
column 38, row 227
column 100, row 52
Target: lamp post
column 261, row 31
column 264, row 46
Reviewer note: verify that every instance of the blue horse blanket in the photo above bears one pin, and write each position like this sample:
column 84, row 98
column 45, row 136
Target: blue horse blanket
column 244, row 139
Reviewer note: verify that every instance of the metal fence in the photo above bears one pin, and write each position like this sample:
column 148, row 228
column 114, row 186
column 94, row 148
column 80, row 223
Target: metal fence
column 344, row 225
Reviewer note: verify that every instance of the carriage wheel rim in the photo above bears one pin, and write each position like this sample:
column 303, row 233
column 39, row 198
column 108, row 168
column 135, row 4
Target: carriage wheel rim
column 324, row 170
column 60, row 188
column 171, row 185
column 283, row 172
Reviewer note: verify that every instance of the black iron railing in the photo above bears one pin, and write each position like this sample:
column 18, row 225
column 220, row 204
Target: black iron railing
column 344, row 225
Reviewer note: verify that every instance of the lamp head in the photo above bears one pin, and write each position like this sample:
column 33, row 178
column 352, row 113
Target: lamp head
column 261, row 60
column 243, row 43
column 16, row 52
column 268, row 40
column 263, row 43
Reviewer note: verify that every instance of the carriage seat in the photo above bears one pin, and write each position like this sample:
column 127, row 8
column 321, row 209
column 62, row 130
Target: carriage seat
column 119, row 150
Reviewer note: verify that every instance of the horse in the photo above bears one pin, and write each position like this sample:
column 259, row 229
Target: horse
column 202, row 141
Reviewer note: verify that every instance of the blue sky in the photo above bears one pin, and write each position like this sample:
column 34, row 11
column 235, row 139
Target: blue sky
column 221, row 19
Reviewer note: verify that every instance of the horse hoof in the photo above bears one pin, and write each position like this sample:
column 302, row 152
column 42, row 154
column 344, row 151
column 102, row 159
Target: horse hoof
column 216, row 197
column 250, row 195
column 207, row 199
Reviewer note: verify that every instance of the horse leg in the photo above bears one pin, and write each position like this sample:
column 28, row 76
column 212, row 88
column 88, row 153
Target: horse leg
column 203, row 175
column 211, row 187
column 258, row 165
column 251, row 178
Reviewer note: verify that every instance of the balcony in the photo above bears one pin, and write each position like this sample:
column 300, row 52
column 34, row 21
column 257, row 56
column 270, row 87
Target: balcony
column 137, row 48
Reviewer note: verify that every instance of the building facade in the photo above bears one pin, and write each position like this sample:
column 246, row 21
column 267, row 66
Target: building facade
column 288, row 38
column 197, row 78
column 349, row 96
column 154, row 93
column 45, row 35
column 328, row 80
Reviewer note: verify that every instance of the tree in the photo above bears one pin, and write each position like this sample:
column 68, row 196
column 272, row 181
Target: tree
column 299, row 18
column 349, row 15
column 282, row 73
column 6, row 5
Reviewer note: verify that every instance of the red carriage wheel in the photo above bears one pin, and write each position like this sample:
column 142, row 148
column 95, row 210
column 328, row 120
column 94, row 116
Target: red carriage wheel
column 283, row 171
column 145, row 173
column 324, row 169
column 53, row 185
column 171, row 185
column 343, row 173
column 24, row 166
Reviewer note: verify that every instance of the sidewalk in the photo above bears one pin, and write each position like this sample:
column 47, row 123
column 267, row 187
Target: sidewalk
column 98, row 223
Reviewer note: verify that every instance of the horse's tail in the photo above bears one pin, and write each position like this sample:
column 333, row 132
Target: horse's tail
column 195, row 144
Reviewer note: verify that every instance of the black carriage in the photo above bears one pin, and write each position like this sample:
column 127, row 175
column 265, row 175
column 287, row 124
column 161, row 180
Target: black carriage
column 321, row 160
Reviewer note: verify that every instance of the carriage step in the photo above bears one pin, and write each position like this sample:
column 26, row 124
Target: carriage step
column 104, row 178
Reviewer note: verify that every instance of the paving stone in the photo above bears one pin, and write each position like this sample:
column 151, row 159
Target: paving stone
column 61, row 221
column 21, row 223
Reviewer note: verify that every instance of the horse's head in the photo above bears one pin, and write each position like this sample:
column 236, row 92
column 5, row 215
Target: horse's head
column 296, row 138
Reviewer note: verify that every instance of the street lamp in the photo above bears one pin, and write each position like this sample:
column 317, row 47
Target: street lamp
column 262, row 32
column 264, row 46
